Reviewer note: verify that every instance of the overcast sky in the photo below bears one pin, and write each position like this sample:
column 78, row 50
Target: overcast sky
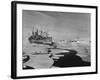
column 61, row 25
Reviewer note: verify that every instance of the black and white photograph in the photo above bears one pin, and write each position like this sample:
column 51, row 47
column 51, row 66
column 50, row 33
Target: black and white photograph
column 53, row 39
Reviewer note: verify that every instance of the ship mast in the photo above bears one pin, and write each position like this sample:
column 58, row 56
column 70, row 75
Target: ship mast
column 33, row 32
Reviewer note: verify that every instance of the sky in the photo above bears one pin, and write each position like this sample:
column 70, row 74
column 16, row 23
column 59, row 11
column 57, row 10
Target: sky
column 61, row 25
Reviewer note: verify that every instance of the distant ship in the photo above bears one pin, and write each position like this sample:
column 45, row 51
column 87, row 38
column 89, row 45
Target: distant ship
column 40, row 37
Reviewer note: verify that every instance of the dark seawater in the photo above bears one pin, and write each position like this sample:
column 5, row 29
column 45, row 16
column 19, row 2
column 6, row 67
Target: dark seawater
column 70, row 60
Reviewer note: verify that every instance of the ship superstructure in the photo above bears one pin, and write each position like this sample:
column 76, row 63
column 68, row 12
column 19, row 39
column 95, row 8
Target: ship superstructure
column 40, row 37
